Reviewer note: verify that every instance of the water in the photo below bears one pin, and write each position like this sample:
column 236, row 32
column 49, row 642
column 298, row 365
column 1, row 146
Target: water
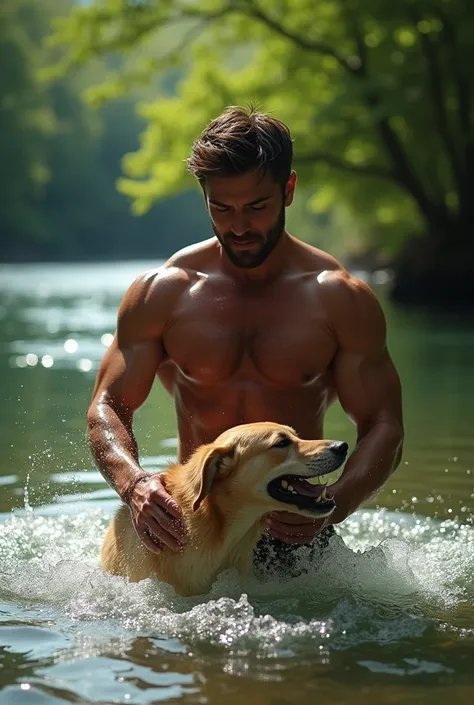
column 388, row 614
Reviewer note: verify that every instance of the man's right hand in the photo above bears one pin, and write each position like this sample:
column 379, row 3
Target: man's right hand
column 157, row 518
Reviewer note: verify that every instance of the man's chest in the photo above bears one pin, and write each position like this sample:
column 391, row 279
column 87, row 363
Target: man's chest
column 279, row 335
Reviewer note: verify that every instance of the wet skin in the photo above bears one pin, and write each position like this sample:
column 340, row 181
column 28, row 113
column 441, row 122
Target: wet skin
column 250, row 325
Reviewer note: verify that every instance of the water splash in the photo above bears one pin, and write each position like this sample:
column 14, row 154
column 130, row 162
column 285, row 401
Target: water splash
column 361, row 591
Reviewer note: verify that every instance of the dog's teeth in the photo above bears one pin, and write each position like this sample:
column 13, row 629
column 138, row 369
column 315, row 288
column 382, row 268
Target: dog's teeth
column 284, row 484
column 290, row 488
column 323, row 495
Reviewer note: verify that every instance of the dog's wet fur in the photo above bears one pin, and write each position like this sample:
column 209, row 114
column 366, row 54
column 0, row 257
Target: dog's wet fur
column 225, row 490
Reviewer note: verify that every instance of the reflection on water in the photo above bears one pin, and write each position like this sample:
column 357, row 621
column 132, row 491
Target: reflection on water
column 388, row 613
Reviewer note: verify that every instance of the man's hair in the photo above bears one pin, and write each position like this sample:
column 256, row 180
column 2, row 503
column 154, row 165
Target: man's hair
column 241, row 140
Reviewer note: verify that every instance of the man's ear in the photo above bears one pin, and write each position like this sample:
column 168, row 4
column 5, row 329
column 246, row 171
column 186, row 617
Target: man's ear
column 217, row 461
column 290, row 189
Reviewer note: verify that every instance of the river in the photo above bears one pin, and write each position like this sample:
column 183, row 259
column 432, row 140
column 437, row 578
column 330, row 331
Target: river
column 387, row 616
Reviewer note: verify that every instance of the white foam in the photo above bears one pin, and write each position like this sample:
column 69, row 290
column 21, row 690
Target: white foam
column 388, row 578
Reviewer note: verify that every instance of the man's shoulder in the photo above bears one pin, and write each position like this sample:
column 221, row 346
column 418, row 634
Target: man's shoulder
column 326, row 270
column 343, row 290
column 349, row 301
column 352, row 308
column 161, row 287
column 155, row 283
column 193, row 257
column 331, row 276
column 175, row 273
column 314, row 259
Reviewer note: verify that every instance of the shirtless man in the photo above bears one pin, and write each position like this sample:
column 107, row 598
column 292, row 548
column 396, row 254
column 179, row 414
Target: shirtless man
column 250, row 325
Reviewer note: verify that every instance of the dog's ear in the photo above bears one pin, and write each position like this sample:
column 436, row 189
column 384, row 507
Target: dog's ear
column 217, row 461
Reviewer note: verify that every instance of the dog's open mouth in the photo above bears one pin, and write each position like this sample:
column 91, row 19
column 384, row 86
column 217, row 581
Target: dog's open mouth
column 297, row 491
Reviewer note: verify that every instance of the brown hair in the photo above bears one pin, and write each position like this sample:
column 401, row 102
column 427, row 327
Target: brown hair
column 241, row 140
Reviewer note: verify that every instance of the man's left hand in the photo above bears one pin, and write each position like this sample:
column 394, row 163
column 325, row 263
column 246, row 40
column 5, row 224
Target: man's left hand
column 294, row 529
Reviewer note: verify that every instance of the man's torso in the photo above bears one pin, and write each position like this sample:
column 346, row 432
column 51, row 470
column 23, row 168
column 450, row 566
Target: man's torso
column 242, row 351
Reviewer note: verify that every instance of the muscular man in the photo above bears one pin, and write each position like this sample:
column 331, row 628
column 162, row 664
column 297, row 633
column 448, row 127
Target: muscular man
column 250, row 325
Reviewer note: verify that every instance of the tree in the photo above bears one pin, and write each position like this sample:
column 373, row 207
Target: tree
column 377, row 95
column 26, row 121
column 59, row 159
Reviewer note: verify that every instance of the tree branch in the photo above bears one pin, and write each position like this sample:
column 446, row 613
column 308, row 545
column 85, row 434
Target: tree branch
column 361, row 58
column 191, row 34
column 402, row 171
column 133, row 32
column 356, row 66
column 462, row 86
column 438, row 98
column 372, row 170
column 434, row 213
column 464, row 116
column 250, row 8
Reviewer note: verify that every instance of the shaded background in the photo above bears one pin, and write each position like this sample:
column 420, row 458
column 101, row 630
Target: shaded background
column 378, row 98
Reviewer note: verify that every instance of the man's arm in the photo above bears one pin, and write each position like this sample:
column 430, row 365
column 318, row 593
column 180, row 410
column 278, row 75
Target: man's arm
column 368, row 388
column 123, row 383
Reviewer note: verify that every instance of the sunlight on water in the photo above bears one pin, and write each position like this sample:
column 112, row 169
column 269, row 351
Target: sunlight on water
column 363, row 590
column 385, row 615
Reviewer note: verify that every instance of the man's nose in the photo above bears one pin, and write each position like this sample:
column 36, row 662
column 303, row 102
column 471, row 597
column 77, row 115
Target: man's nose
column 239, row 225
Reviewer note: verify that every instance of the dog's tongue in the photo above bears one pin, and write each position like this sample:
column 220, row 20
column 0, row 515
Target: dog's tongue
column 306, row 488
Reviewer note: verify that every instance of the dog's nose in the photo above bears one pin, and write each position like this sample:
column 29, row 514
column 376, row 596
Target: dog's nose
column 339, row 447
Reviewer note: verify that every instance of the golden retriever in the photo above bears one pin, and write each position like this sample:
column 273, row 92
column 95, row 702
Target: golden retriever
column 225, row 490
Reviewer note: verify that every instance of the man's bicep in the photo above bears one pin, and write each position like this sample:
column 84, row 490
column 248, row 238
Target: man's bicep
column 367, row 384
column 129, row 366
column 368, row 388
column 127, row 372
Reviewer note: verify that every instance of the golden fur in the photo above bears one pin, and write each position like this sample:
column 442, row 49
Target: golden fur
column 223, row 493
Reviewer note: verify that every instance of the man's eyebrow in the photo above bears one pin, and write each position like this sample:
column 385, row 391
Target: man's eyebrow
column 251, row 203
column 258, row 200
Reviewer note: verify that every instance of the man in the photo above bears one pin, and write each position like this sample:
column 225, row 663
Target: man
column 250, row 325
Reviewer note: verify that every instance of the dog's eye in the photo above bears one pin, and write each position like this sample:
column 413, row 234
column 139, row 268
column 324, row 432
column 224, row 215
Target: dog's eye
column 283, row 442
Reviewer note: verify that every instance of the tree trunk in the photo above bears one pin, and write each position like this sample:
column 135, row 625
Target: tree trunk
column 436, row 271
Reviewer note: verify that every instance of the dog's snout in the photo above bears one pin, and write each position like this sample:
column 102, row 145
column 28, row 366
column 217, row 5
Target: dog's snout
column 339, row 447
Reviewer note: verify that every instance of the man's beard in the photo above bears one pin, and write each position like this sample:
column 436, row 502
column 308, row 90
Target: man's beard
column 248, row 259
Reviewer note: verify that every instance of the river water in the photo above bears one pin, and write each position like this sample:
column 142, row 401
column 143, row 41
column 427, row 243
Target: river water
column 386, row 616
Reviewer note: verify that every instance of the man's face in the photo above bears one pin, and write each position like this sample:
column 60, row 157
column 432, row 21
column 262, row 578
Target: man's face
column 248, row 215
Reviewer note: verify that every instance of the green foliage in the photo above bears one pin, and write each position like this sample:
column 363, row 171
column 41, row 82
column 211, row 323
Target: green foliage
column 377, row 96
column 60, row 160
column 26, row 118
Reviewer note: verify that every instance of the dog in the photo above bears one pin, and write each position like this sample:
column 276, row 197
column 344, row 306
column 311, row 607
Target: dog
column 225, row 490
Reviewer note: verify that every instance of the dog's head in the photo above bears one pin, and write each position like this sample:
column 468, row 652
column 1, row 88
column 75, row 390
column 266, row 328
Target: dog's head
column 265, row 466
